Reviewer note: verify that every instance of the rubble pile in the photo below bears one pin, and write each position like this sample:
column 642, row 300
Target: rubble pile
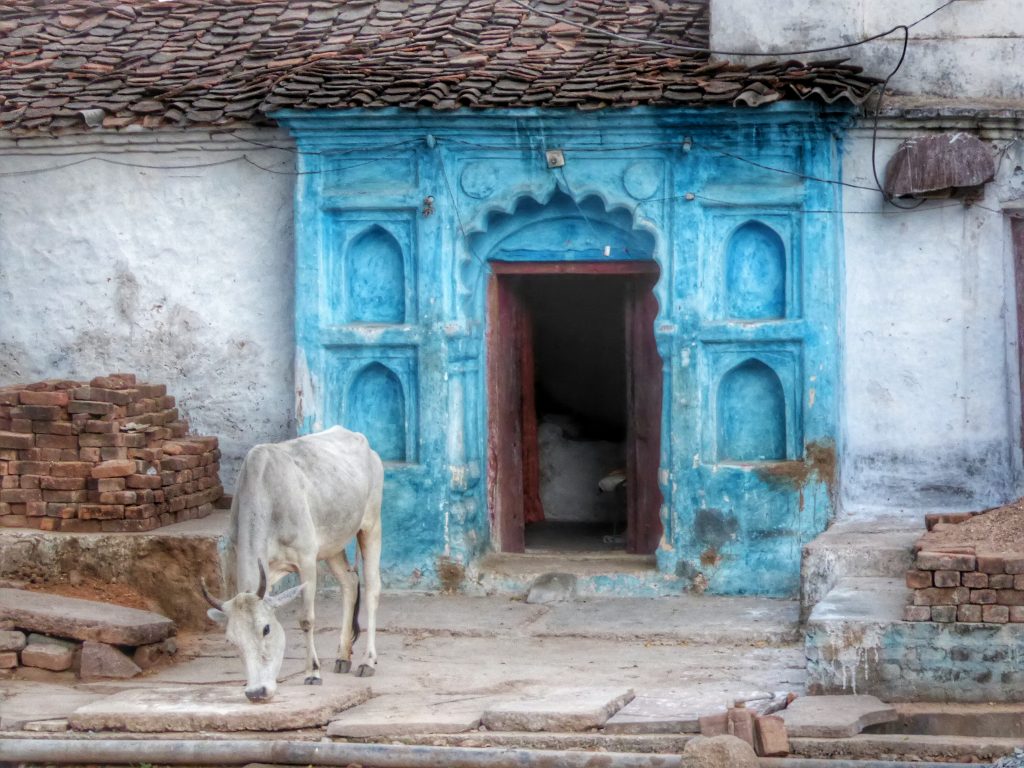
column 95, row 640
column 109, row 455
column 970, row 568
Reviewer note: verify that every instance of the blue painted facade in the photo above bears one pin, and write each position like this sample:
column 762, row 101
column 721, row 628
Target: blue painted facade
column 399, row 215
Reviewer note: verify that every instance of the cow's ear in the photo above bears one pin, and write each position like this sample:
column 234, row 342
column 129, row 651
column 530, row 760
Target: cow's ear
column 219, row 616
column 283, row 598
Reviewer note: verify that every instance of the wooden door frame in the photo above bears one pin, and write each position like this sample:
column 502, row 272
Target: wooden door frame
column 505, row 465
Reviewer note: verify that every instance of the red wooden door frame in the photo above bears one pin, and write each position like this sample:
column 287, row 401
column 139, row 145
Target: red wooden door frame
column 508, row 324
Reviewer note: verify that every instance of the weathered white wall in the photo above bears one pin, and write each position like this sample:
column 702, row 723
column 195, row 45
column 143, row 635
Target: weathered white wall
column 931, row 400
column 972, row 49
column 182, row 275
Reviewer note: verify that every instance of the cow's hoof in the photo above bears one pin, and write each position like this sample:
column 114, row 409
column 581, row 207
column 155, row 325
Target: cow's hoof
column 313, row 681
column 342, row 665
column 365, row 670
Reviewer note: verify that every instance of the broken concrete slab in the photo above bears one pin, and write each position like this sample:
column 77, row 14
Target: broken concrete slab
column 835, row 717
column 401, row 714
column 47, row 726
column 83, row 619
column 563, row 709
column 99, row 660
column 676, row 710
column 25, row 702
column 215, row 708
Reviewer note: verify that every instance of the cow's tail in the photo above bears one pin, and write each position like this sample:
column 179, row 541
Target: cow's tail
column 356, row 630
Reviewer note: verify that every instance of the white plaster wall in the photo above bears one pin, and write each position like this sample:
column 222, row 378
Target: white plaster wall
column 931, row 397
column 973, row 49
column 182, row 275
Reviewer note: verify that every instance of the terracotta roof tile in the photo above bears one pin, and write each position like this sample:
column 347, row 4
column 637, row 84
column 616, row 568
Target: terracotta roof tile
column 225, row 62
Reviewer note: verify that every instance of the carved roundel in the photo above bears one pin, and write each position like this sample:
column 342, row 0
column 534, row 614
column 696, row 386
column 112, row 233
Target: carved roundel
column 479, row 179
column 642, row 179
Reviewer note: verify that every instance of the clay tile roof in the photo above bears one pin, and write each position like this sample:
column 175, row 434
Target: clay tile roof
column 193, row 62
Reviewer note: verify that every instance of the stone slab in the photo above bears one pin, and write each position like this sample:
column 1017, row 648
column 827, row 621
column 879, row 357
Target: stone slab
column 48, row 726
column 835, row 717
column 563, row 709
column 11, row 640
column 26, row 702
column 51, row 656
column 677, row 710
column 401, row 714
column 215, row 708
column 99, row 660
column 83, row 619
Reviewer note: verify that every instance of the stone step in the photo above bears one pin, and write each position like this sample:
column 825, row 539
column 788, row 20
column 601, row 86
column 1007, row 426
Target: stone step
column 82, row 619
column 856, row 642
column 875, row 548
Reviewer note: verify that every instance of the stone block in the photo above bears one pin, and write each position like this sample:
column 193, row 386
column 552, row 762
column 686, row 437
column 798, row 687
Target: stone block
column 11, row 640
column 406, row 713
column 968, row 612
column 147, row 656
column 8, row 660
column 1017, row 613
column 216, row 708
column 1001, row 581
column 947, row 578
column 939, row 596
column 566, row 709
column 115, row 468
column 990, row 564
column 983, row 596
column 740, row 723
column 1014, row 563
column 99, row 660
column 722, row 751
column 83, row 619
column 52, row 656
column 770, row 736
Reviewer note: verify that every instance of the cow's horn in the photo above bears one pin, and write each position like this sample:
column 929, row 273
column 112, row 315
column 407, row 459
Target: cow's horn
column 209, row 598
column 262, row 589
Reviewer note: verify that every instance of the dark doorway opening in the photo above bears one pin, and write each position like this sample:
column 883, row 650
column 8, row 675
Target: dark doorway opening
column 574, row 387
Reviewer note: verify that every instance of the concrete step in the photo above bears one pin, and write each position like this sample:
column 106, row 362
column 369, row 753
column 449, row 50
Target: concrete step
column 876, row 548
column 856, row 642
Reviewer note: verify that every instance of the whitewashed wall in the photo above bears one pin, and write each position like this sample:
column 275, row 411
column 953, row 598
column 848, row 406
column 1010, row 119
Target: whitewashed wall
column 931, row 401
column 182, row 275
column 973, row 49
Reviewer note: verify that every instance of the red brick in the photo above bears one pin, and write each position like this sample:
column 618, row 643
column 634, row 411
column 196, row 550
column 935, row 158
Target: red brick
column 80, row 526
column 1001, row 581
column 1018, row 581
column 64, row 442
column 35, row 508
column 101, row 395
column 49, row 524
column 944, row 561
column 983, row 596
column 13, row 521
column 59, row 398
column 100, row 427
column 975, row 580
column 129, row 526
column 54, row 428
column 95, row 408
column 71, row 469
column 114, row 469
column 1009, row 597
column 16, row 440
column 117, row 497
column 917, row 613
column 945, row 614
column 8, row 659
column 990, row 564
column 919, row 579
column 152, row 482
column 62, row 483
column 140, row 511
column 66, row 497
column 114, row 381
column 10, row 481
column 1014, row 563
column 61, row 510
column 31, row 481
column 22, row 426
column 38, row 412
column 947, row 578
column 20, row 495
column 1016, row 611
column 968, row 613
column 995, row 614
column 100, row 512
column 937, row 596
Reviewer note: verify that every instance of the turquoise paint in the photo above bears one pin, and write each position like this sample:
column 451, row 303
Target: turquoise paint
column 399, row 215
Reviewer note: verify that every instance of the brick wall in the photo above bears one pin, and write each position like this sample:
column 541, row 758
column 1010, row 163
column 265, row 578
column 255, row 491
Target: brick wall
column 963, row 584
column 110, row 455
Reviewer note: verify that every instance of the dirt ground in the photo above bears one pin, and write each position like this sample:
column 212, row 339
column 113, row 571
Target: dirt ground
column 997, row 531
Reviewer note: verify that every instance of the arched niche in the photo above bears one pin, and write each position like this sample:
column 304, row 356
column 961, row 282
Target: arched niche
column 755, row 274
column 374, row 278
column 751, row 423
column 376, row 407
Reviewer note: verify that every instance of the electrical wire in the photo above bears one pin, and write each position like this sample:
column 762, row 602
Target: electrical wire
column 715, row 52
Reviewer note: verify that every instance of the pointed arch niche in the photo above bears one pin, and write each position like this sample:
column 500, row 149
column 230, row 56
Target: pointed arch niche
column 755, row 274
column 751, row 414
column 376, row 407
column 374, row 278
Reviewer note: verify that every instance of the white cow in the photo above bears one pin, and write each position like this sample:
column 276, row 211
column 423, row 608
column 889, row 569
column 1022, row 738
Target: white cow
column 298, row 502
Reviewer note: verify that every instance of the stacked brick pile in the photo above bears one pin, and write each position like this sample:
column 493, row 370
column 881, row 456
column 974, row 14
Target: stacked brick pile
column 110, row 455
column 966, row 587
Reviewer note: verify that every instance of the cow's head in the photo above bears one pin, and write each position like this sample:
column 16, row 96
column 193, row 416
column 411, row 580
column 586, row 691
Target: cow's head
column 253, row 628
